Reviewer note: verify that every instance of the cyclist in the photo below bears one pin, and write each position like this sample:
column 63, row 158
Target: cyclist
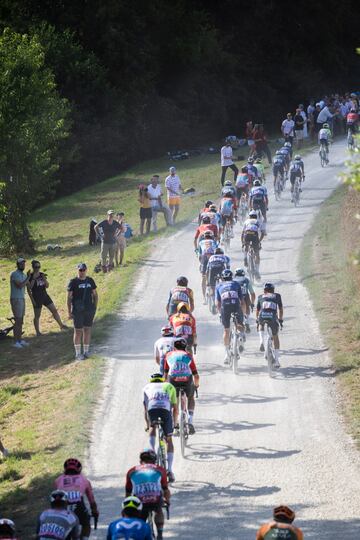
column 184, row 325
column 229, row 300
column 77, row 486
column 160, row 402
column 278, row 166
column 130, row 526
column 206, row 249
column 352, row 121
column 296, row 171
column 247, row 290
column 253, row 233
column 227, row 210
column 324, row 137
column 217, row 263
column 204, row 210
column 260, row 169
column 206, row 225
column 270, row 310
column 228, row 186
column 242, row 184
column 58, row 518
column 251, row 170
column 163, row 345
column 285, row 152
column 181, row 371
column 280, row 528
column 290, row 148
column 215, row 217
column 148, row 482
column 180, row 293
column 7, row 529
column 259, row 198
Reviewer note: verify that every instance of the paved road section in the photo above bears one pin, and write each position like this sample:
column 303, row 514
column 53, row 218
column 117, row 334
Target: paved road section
column 259, row 441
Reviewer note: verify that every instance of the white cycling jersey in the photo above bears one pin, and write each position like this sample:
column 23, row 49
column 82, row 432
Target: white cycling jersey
column 324, row 133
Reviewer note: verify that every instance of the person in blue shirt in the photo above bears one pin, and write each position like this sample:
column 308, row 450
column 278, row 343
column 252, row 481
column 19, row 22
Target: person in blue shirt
column 230, row 300
column 129, row 526
column 259, row 198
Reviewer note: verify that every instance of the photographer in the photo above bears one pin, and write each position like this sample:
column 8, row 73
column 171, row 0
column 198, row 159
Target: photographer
column 37, row 289
column 145, row 209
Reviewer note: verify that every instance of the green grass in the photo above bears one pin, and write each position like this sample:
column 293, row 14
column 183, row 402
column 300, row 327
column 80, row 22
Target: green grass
column 333, row 282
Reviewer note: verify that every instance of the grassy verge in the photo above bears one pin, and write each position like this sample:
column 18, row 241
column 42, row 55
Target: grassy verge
column 333, row 281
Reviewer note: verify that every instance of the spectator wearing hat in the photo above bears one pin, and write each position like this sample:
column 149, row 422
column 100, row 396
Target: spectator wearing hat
column 18, row 282
column 37, row 290
column 174, row 188
column 157, row 205
column 145, row 209
column 108, row 229
column 82, row 300
column 227, row 161
column 287, row 128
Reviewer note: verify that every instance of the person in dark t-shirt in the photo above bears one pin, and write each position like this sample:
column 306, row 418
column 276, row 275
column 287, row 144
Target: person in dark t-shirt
column 82, row 303
column 108, row 229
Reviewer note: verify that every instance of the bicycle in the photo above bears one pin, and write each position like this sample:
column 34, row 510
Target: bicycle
column 226, row 235
column 184, row 420
column 296, row 193
column 269, row 348
column 161, row 444
column 243, row 209
column 210, row 297
column 350, row 140
column 236, row 344
column 323, row 155
column 5, row 331
column 252, row 269
column 278, row 186
column 151, row 519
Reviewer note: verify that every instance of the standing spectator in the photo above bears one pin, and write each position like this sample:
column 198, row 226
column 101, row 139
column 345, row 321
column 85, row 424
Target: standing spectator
column 173, row 186
column 310, row 115
column 82, row 300
column 249, row 137
column 343, row 113
column 260, row 140
column 3, row 450
column 324, row 116
column 303, row 114
column 315, row 115
column 157, row 204
column 18, row 282
column 120, row 239
column 227, row 161
column 37, row 289
column 287, row 128
column 145, row 209
column 299, row 127
column 110, row 229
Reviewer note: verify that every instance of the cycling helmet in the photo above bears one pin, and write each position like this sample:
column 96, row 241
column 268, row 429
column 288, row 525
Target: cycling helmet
column 206, row 220
column 208, row 234
column 219, row 251
column 156, row 377
column 278, row 153
column 269, row 287
column 284, row 513
column 297, row 158
column 257, row 182
column 240, row 272
column 226, row 275
column 287, row 144
column 208, row 203
column 148, row 455
column 213, row 207
column 244, row 169
column 7, row 527
column 228, row 183
column 180, row 343
column 59, row 498
column 182, row 305
column 132, row 502
column 325, row 125
column 182, row 281
column 253, row 214
column 353, row 110
column 167, row 331
column 251, row 160
column 228, row 193
column 258, row 160
column 72, row 465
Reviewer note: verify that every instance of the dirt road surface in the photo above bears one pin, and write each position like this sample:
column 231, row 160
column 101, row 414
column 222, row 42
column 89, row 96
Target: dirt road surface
column 259, row 441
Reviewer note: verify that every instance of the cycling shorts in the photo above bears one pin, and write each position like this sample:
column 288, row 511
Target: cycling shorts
column 278, row 169
column 212, row 276
column 224, row 219
column 204, row 263
column 166, row 417
column 294, row 175
column 259, row 204
column 227, row 310
column 241, row 190
column 272, row 321
column 82, row 513
column 253, row 239
column 147, row 508
column 83, row 318
column 325, row 142
column 188, row 386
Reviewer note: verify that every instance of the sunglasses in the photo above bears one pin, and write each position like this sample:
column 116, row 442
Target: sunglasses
column 82, row 269
column 37, row 266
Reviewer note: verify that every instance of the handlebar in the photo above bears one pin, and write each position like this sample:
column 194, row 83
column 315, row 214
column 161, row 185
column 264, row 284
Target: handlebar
column 96, row 519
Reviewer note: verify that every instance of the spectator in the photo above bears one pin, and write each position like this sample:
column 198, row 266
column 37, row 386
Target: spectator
column 227, row 161
column 287, row 128
column 299, row 127
column 120, row 239
column 303, row 114
column 249, row 137
column 110, row 229
column 82, row 302
column 316, row 113
column 145, row 209
column 18, row 282
column 173, row 186
column 37, row 289
column 260, row 140
column 343, row 112
column 3, row 450
column 157, row 205
column 325, row 115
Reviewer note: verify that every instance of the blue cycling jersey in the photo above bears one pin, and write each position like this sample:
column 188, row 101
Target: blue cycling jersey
column 245, row 284
column 218, row 262
column 228, row 293
column 258, row 192
column 129, row 529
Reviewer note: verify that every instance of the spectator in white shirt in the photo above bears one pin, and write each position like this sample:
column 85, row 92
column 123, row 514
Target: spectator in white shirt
column 325, row 116
column 157, row 205
column 227, row 162
column 174, row 189
column 287, row 128
column 303, row 114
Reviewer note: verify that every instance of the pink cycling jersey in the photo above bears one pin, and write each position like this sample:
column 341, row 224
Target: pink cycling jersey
column 76, row 487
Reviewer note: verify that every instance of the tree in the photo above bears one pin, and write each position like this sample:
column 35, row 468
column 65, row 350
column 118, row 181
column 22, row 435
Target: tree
column 33, row 122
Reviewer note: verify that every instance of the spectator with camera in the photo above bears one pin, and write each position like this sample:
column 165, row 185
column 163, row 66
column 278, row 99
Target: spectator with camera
column 145, row 209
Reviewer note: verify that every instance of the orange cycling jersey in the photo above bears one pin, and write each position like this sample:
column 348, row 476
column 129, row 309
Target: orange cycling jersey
column 206, row 227
column 184, row 324
column 279, row 531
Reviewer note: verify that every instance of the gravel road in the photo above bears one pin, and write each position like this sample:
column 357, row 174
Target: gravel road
column 259, row 441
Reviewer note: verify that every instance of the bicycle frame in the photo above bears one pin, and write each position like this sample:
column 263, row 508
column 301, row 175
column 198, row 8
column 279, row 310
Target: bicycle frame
column 183, row 421
column 162, row 444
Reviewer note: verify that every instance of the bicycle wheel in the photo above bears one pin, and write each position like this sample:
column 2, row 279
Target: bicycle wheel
column 251, row 268
column 233, row 346
column 277, row 188
column 162, row 461
column 270, row 353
